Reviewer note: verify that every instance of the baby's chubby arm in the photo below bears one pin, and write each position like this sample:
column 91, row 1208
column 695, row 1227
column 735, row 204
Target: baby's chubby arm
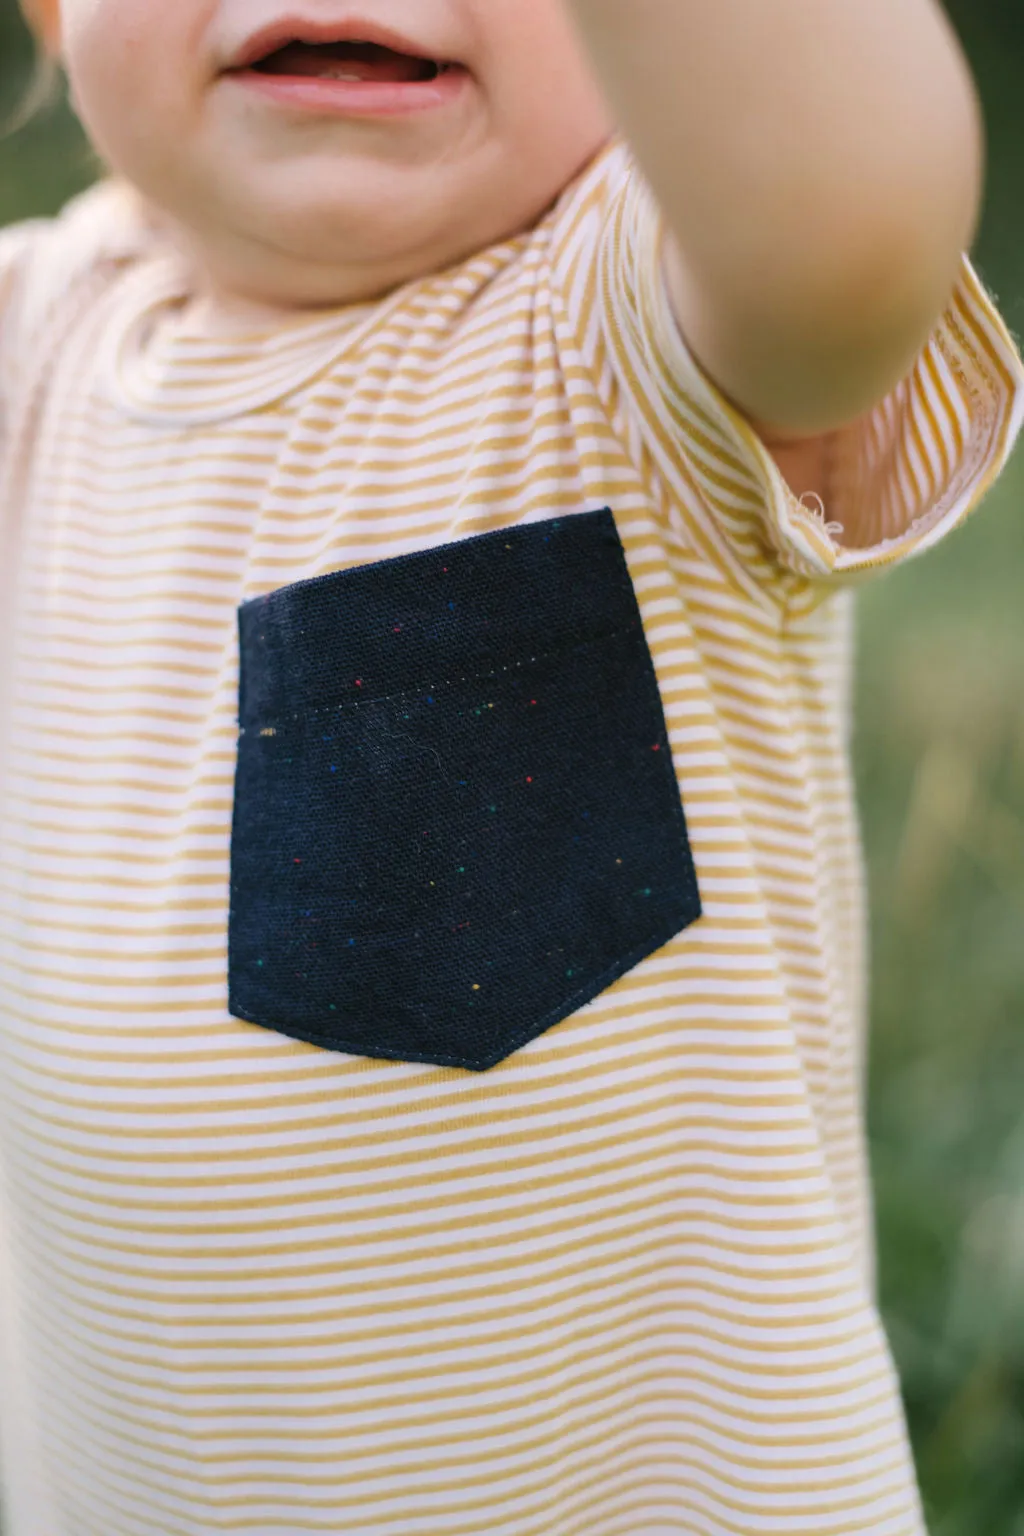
column 819, row 163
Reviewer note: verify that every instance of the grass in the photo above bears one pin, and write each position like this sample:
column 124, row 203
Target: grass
column 940, row 760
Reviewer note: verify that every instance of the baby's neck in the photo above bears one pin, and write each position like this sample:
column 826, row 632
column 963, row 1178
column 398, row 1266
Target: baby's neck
column 214, row 310
column 223, row 316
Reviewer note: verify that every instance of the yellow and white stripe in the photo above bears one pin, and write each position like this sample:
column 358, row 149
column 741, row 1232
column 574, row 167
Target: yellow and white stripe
column 620, row 1284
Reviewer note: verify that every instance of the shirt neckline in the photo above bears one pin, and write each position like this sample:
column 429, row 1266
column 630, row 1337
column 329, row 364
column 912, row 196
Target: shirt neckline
column 157, row 372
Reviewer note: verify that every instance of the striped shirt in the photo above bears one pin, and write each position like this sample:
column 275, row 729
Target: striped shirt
column 620, row 1283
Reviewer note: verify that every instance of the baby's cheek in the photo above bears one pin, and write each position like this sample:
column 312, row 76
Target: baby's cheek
column 131, row 69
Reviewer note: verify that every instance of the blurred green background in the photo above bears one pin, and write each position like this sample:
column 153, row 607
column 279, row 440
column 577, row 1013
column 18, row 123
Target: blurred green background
column 940, row 756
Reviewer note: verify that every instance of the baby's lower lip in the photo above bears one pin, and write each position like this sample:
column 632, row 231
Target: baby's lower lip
column 353, row 98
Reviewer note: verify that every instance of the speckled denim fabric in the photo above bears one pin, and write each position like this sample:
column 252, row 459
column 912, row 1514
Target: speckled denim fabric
column 456, row 814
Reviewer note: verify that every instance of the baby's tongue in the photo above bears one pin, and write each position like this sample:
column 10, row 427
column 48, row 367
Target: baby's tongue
column 347, row 61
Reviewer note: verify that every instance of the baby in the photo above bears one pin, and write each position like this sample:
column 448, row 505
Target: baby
column 432, row 467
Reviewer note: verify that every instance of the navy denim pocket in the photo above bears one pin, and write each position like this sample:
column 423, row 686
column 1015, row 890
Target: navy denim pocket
column 456, row 815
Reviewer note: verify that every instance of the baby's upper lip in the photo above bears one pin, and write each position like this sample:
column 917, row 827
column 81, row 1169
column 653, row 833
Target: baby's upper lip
column 296, row 29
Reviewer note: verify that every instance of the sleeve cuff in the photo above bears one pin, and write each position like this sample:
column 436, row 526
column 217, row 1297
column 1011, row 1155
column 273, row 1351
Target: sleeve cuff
column 907, row 474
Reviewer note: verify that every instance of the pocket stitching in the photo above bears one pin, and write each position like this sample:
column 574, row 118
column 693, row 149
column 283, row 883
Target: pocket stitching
column 454, row 682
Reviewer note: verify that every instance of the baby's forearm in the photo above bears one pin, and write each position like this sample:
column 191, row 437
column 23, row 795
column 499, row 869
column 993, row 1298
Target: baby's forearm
column 819, row 165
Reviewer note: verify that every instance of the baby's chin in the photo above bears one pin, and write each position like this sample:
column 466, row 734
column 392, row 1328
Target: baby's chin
column 338, row 236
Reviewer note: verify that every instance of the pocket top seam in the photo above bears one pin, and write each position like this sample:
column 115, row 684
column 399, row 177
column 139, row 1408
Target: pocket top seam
column 267, row 723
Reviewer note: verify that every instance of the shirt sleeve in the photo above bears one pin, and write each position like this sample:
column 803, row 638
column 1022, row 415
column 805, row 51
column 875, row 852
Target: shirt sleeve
column 43, row 266
column 17, row 242
column 898, row 480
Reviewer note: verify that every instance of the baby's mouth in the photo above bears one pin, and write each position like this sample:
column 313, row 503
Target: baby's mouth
column 351, row 61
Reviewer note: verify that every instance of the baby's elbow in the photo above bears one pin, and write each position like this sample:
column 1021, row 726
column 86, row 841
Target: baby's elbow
column 879, row 274
column 825, row 313
column 866, row 330
column 876, row 267
column 835, row 343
